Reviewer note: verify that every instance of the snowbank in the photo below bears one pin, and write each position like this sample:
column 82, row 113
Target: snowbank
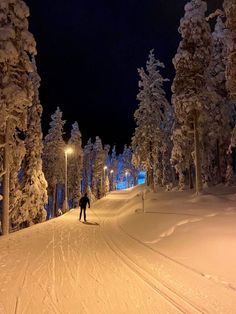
column 196, row 231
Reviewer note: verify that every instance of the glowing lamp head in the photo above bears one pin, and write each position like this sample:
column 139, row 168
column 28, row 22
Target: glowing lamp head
column 105, row 168
column 111, row 171
column 68, row 150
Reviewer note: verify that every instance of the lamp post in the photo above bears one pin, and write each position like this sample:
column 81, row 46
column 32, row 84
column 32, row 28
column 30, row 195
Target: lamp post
column 104, row 179
column 68, row 150
column 126, row 175
column 111, row 173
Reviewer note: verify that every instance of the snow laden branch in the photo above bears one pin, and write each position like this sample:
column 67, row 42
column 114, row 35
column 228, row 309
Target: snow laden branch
column 151, row 141
column 190, row 93
column 17, row 48
column 53, row 157
column 230, row 35
column 75, row 165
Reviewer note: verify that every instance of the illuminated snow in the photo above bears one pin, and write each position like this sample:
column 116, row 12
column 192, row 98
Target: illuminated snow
column 180, row 253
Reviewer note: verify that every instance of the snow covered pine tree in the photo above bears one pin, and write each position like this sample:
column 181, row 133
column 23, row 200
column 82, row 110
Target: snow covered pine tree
column 190, row 95
column 98, row 177
column 17, row 46
column 216, row 138
column 113, row 169
column 129, row 169
column 230, row 34
column 153, row 122
column 230, row 12
column 87, row 166
column 30, row 208
column 53, row 157
column 75, row 165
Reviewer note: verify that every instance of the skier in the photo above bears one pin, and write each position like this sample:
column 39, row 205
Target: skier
column 83, row 204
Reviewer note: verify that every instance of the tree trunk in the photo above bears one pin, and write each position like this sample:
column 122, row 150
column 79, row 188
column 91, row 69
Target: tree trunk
column 190, row 177
column 6, row 179
column 135, row 180
column 151, row 168
column 197, row 155
column 218, row 161
column 181, row 181
column 173, row 176
column 53, row 213
column 150, row 180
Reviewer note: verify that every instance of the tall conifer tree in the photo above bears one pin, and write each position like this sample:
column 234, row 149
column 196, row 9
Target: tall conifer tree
column 17, row 47
column 30, row 209
column 152, row 118
column 75, row 165
column 190, row 94
column 53, row 157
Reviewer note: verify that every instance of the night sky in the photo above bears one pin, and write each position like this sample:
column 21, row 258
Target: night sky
column 88, row 55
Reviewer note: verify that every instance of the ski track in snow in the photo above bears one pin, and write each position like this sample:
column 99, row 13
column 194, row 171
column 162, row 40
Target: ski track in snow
column 64, row 266
column 207, row 276
column 180, row 302
column 171, row 231
column 60, row 250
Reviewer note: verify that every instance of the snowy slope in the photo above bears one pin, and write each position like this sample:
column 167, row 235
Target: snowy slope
column 197, row 231
column 177, row 257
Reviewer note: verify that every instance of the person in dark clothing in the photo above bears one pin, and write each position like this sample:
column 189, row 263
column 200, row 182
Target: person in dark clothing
column 83, row 204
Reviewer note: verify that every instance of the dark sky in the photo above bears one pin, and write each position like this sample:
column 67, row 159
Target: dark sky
column 88, row 55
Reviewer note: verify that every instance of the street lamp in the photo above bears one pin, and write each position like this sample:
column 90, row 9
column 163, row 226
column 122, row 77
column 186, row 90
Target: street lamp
column 105, row 168
column 126, row 175
column 104, row 180
column 68, row 150
column 111, row 173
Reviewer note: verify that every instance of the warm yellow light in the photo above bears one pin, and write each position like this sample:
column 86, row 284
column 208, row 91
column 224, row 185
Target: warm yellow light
column 111, row 171
column 126, row 173
column 105, row 168
column 68, row 150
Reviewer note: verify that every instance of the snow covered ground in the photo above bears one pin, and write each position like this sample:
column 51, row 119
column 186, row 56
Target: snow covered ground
column 177, row 257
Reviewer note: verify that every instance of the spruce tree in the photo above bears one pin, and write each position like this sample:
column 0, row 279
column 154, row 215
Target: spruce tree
column 98, row 177
column 53, row 157
column 17, row 47
column 190, row 94
column 75, row 165
column 30, row 209
column 87, row 166
column 129, row 169
column 113, row 169
column 230, row 33
column 216, row 137
column 152, row 118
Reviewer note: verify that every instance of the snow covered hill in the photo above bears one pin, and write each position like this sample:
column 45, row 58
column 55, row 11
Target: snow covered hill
column 176, row 257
